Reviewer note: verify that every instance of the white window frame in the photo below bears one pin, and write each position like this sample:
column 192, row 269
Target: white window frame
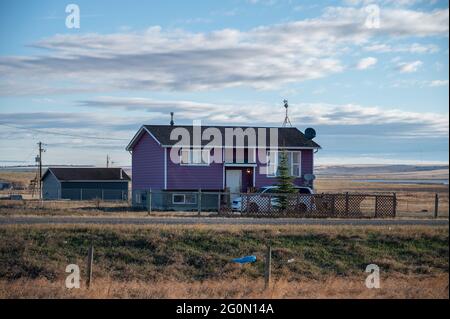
column 299, row 164
column 191, row 158
column 184, row 199
column 269, row 164
column 291, row 157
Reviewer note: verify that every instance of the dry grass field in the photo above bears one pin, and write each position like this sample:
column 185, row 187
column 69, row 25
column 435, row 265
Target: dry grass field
column 404, row 287
column 21, row 178
column 194, row 261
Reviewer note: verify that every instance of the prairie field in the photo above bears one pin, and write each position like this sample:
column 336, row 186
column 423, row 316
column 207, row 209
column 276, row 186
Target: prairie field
column 195, row 261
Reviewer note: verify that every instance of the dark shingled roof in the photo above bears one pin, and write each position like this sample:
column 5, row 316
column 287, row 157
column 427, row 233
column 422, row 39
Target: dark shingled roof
column 88, row 174
column 287, row 136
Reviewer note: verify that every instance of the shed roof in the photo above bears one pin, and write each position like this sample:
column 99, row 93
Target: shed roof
column 88, row 174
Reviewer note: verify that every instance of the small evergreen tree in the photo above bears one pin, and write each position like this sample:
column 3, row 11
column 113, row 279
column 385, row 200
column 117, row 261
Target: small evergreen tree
column 285, row 181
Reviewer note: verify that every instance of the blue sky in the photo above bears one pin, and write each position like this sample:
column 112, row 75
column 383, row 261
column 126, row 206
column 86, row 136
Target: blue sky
column 375, row 94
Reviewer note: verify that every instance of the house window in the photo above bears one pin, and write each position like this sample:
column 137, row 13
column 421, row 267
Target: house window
column 180, row 199
column 195, row 156
column 294, row 160
column 190, row 199
column 240, row 156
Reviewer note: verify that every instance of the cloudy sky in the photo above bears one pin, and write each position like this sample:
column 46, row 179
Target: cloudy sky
column 374, row 86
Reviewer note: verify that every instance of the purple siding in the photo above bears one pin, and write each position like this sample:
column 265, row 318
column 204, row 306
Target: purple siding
column 147, row 164
column 148, row 170
column 194, row 177
column 307, row 168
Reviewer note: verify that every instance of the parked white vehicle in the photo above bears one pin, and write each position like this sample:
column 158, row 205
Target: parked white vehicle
column 265, row 197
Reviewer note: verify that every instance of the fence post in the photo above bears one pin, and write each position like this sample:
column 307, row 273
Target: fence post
column 395, row 204
column 376, row 206
column 81, row 194
column 436, row 205
column 268, row 267
column 346, row 203
column 149, row 201
column 199, row 198
column 89, row 266
column 247, row 205
column 218, row 202
column 333, row 210
column 270, row 204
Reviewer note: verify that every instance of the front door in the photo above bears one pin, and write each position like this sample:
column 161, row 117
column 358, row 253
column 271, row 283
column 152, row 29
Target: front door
column 234, row 182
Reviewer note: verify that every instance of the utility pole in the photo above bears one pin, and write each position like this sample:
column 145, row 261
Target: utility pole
column 40, row 168
column 107, row 160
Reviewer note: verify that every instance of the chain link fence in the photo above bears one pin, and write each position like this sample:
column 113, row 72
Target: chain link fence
column 336, row 205
column 271, row 205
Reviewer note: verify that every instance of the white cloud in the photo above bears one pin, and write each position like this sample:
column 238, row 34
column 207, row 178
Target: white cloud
column 395, row 3
column 265, row 57
column 348, row 118
column 366, row 63
column 436, row 83
column 411, row 48
column 335, row 124
column 409, row 67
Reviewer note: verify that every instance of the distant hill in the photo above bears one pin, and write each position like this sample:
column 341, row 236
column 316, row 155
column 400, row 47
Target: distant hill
column 29, row 168
column 377, row 169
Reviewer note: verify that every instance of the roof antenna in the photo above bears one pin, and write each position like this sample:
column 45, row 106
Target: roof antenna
column 286, row 119
column 171, row 119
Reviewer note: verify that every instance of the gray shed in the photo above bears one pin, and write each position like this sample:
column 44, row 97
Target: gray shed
column 85, row 183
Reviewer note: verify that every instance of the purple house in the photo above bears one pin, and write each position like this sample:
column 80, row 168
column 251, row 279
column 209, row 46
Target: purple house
column 161, row 161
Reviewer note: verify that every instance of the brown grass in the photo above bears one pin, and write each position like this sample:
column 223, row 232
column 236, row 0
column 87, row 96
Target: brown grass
column 330, row 287
column 176, row 261
column 20, row 178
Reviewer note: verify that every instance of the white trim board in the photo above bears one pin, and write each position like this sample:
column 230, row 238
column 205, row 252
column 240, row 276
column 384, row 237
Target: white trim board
column 165, row 168
column 240, row 164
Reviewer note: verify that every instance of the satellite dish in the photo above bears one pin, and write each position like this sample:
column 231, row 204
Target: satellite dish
column 309, row 177
column 310, row 133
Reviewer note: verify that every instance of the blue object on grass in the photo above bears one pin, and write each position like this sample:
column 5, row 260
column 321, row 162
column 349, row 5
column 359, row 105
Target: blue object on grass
column 245, row 260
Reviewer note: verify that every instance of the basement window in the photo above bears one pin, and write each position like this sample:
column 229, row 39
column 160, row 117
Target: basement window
column 181, row 199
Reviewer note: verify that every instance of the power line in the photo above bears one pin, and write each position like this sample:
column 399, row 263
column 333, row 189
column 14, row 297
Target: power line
column 63, row 134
